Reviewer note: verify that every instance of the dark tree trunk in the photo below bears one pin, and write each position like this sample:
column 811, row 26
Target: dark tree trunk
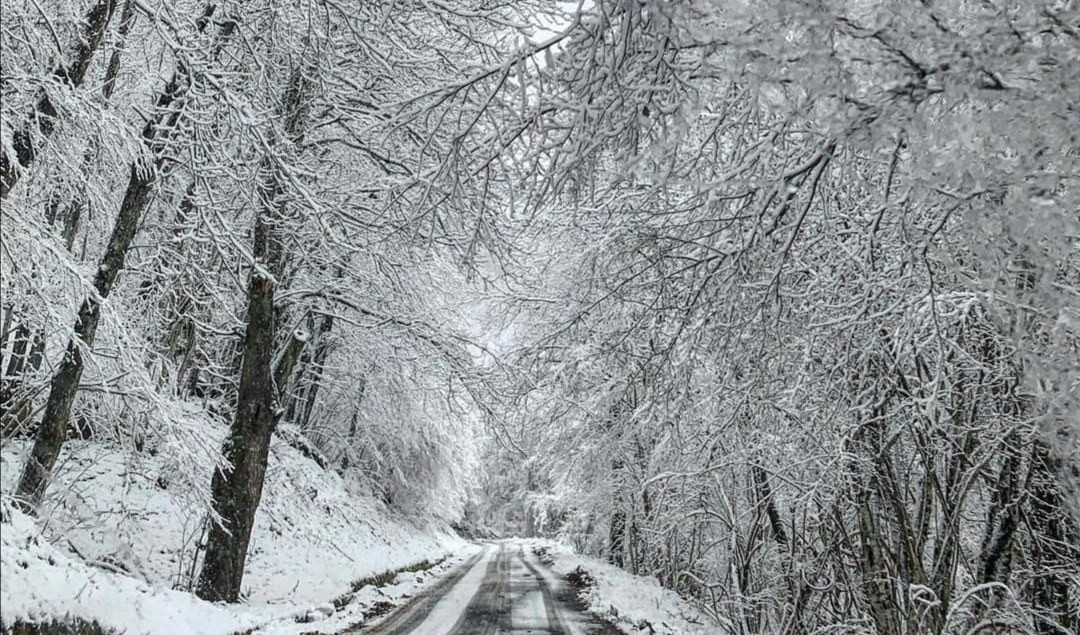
column 14, row 414
column 345, row 463
column 51, row 433
column 877, row 561
column 127, row 18
column 5, row 328
column 284, row 368
column 64, row 385
column 18, row 353
column 237, row 489
column 73, row 212
column 995, row 561
column 293, row 398
column 45, row 113
column 141, row 180
column 12, row 376
column 617, row 539
column 354, row 422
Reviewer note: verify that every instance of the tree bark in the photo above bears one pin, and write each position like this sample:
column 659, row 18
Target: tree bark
column 237, row 489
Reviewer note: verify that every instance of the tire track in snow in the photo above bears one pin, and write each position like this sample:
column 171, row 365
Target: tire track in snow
column 429, row 612
column 498, row 592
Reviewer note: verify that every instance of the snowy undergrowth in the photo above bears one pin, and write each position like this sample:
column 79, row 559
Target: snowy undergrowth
column 41, row 582
column 634, row 604
column 119, row 532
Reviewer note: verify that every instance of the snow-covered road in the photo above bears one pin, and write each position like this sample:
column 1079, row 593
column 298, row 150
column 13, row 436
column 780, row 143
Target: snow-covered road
column 504, row 589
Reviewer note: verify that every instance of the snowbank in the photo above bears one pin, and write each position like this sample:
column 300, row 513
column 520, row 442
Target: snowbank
column 119, row 531
column 41, row 582
column 634, row 604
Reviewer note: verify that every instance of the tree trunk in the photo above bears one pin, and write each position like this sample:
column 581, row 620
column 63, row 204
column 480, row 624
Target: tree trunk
column 141, row 180
column 9, row 382
column 18, row 357
column 53, row 429
column 287, row 362
column 237, row 489
column 617, row 537
column 1055, row 551
column 18, row 412
column 5, row 328
column 73, row 211
column 352, row 435
column 45, row 113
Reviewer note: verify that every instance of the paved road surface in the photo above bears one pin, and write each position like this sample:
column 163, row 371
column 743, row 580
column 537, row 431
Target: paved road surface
column 502, row 590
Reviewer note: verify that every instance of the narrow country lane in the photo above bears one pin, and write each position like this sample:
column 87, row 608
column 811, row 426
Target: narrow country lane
column 504, row 589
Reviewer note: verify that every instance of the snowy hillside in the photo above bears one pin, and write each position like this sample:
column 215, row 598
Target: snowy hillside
column 123, row 532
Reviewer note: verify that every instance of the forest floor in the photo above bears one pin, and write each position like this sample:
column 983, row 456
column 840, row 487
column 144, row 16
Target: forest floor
column 115, row 540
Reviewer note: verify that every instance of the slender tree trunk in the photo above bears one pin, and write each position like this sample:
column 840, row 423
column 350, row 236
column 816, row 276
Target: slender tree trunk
column 287, row 362
column 141, row 181
column 73, row 212
column 12, row 376
column 127, row 19
column 18, row 353
column 617, row 537
column 322, row 351
column 5, row 328
column 45, row 113
column 17, row 406
column 995, row 561
column 345, row 463
column 1055, row 550
column 237, row 489
column 64, row 385
column 877, row 561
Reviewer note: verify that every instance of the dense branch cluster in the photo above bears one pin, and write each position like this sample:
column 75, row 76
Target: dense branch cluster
column 774, row 302
column 804, row 342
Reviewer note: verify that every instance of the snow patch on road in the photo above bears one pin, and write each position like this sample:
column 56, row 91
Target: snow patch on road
column 451, row 607
column 574, row 624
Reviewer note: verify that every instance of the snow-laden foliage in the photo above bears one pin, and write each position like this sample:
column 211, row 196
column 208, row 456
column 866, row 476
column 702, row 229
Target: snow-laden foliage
column 775, row 302
column 802, row 334
column 161, row 159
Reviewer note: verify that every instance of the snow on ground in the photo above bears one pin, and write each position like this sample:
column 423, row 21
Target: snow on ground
column 359, row 609
column 114, row 511
column 40, row 581
column 634, row 604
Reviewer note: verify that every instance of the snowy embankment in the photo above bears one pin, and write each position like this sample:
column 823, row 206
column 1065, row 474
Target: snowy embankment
column 120, row 528
column 634, row 604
